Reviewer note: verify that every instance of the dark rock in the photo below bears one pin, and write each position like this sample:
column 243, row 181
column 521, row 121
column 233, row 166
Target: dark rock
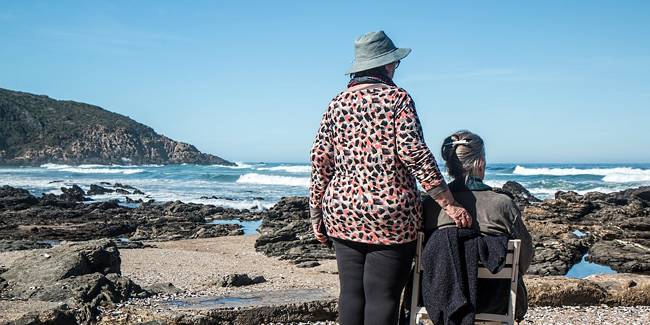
column 621, row 255
column 308, row 264
column 238, row 280
column 210, row 231
column 130, row 200
column 520, row 194
column 74, row 193
column 16, row 198
column 129, row 244
column 162, row 288
column 18, row 245
column 41, row 267
column 106, row 205
column 83, row 276
column 297, row 306
column 38, row 313
column 120, row 185
column 98, row 190
column 286, row 233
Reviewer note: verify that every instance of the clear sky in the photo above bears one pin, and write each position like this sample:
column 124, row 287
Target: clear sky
column 540, row 81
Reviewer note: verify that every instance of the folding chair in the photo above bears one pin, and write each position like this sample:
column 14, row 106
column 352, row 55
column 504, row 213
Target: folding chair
column 509, row 271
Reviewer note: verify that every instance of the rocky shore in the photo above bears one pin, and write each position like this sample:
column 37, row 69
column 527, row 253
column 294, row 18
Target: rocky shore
column 27, row 220
column 184, row 267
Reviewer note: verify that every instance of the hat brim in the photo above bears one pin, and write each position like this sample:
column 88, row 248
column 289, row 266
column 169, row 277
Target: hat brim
column 379, row 61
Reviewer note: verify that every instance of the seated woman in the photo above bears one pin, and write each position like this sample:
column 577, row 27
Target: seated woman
column 493, row 213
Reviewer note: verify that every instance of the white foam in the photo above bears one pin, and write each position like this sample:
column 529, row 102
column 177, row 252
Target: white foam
column 290, row 169
column 238, row 165
column 95, row 169
column 635, row 177
column 14, row 170
column 254, row 178
column 617, row 174
column 98, row 169
column 55, row 166
column 101, row 170
column 494, row 183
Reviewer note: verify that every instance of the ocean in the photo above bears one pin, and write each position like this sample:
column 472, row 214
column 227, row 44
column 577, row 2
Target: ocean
column 258, row 186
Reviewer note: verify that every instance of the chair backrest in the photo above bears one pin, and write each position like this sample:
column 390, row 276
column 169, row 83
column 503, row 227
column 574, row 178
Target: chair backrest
column 509, row 271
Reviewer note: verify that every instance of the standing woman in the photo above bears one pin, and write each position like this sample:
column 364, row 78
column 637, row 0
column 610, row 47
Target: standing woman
column 365, row 160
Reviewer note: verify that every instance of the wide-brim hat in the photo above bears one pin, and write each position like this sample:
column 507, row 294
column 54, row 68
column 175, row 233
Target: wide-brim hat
column 375, row 49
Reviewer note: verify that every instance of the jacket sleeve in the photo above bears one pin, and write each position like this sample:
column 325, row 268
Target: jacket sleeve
column 322, row 168
column 413, row 151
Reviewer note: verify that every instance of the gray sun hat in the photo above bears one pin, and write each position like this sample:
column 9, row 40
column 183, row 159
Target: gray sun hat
column 373, row 50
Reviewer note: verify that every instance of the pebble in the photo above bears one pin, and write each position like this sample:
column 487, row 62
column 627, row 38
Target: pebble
column 568, row 315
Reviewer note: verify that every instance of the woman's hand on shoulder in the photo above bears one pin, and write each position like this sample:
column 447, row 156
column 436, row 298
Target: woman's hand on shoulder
column 462, row 218
column 456, row 211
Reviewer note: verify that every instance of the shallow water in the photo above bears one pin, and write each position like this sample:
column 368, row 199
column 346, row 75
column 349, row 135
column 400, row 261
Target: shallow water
column 249, row 227
column 585, row 269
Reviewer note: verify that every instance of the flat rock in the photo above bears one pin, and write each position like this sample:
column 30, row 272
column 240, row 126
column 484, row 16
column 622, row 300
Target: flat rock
column 259, row 307
column 625, row 289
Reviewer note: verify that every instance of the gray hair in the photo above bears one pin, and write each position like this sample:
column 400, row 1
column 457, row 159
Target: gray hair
column 462, row 152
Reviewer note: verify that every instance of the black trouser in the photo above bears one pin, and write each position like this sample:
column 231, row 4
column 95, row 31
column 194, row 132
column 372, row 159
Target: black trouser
column 372, row 278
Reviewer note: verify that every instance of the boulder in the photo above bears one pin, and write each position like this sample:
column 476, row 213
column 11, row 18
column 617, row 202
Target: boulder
column 41, row 267
column 626, row 289
column 16, row 197
column 621, row 255
column 98, row 190
column 238, row 280
column 286, row 233
column 562, row 291
column 520, row 194
column 81, row 277
column 74, row 193
column 162, row 288
column 623, row 289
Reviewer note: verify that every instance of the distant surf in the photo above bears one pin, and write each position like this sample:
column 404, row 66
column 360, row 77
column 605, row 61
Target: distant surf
column 258, row 186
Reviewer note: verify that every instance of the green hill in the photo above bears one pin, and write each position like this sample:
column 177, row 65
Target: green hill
column 35, row 130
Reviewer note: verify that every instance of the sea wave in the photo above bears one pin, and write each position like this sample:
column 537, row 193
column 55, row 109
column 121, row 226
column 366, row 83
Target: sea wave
column 290, row 169
column 254, row 178
column 94, row 169
column 632, row 173
column 238, row 165
column 494, row 183
column 628, row 178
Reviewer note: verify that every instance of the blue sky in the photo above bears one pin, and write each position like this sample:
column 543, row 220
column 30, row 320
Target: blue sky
column 540, row 81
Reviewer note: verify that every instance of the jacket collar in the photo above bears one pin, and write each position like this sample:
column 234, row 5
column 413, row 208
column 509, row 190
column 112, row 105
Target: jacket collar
column 473, row 184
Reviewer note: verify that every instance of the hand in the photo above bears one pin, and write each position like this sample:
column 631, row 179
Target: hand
column 462, row 218
column 319, row 235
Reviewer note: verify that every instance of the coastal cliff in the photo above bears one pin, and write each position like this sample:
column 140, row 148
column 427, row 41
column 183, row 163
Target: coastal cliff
column 36, row 130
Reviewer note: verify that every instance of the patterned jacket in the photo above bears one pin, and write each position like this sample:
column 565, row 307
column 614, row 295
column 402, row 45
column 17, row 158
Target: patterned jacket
column 365, row 160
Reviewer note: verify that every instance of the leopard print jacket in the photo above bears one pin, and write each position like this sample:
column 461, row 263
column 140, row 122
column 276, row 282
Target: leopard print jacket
column 365, row 160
